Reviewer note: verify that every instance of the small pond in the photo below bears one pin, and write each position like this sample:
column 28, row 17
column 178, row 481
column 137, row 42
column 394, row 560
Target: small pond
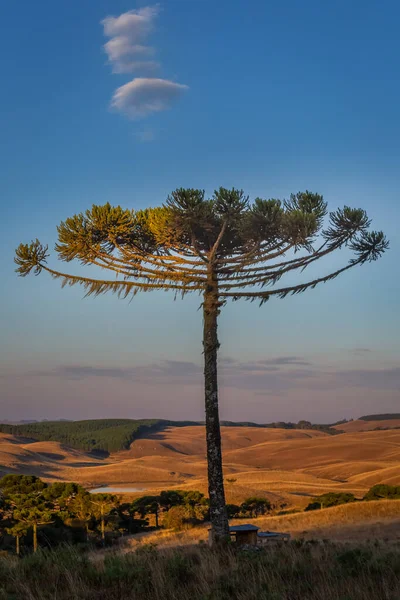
column 115, row 489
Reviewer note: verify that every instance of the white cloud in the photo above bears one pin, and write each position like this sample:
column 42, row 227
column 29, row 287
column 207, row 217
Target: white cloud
column 128, row 52
column 143, row 96
column 125, row 49
column 133, row 24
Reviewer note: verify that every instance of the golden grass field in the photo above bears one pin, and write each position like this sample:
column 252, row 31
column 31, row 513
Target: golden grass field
column 288, row 466
column 359, row 522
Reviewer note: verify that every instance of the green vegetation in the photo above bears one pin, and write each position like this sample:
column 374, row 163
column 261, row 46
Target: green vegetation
column 35, row 514
column 330, row 499
column 383, row 491
column 113, row 435
column 382, row 417
column 108, row 435
column 292, row 571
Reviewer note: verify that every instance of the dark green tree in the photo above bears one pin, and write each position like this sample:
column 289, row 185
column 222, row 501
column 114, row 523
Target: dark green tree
column 127, row 523
column 256, row 506
column 18, row 530
column 21, row 485
column 147, row 505
column 81, row 508
column 233, row 511
column 224, row 248
column 170, row 498
column 32, row 515
column 103, row 506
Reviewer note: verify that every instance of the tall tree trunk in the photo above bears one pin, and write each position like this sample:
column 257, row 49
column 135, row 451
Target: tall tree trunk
column 218, row 514
column 35, row 537
column 17, row 544
column 156, row 515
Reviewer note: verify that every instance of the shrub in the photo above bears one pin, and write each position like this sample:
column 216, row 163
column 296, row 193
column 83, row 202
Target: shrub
column 180, row 517
column 233, row 511
column 331, row 499
column 382, row 490
column 255, row 506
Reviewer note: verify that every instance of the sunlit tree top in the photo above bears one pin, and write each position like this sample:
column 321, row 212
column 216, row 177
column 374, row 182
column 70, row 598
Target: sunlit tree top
column 242, row 248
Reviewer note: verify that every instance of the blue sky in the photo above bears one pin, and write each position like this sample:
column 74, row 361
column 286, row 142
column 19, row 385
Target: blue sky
column 124, row 102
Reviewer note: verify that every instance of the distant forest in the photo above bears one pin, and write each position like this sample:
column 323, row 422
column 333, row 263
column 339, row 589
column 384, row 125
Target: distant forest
column 383, row 417
column 98, row 435
column 113, row 435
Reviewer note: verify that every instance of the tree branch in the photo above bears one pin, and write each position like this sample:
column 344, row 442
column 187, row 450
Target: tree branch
column 121, row 288
column 283, row 292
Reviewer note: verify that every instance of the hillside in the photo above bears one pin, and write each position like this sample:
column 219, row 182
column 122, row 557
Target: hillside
column 108, row 435
column 369, row 424
column 112, row 435
column 289, row 466
column 376, row 520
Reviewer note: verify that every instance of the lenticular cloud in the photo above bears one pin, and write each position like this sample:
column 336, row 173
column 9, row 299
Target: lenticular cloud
column 128, row 52
column 126, row 49
column 141, row 97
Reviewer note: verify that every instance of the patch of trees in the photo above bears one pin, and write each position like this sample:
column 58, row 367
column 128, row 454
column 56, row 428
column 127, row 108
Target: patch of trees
column 36, row 514
column 381, row 491
column 106, row 435
column 330, row 499
column 41, row 514
column 381, row 417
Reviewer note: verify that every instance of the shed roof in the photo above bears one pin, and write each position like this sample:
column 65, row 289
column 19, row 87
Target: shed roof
column 270, row 534
column 246, row 527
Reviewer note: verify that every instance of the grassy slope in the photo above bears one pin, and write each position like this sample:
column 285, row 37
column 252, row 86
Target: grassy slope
column 347, row 523
column 286, row 465
column 113, row 435
column 361, row 561
column 290, row 572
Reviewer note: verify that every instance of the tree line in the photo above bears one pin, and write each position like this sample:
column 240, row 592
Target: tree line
column 105, row 435
column 46, row 514
column 113, row 435
column 35, row 513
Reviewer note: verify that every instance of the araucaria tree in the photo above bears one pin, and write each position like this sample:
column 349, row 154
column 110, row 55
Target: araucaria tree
column 223, row 248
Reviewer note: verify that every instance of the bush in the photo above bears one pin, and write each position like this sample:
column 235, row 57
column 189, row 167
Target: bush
column 255, row 506
column 233, row 511
column 313, row 506
column 180, row 517
column 383, row 491
column 331, row 499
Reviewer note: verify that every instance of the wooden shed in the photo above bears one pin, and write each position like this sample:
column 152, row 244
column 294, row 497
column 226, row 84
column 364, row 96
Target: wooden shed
column 244, row 534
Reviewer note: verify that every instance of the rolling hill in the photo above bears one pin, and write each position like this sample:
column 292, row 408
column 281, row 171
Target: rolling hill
column 112, row 435
column 289, row 465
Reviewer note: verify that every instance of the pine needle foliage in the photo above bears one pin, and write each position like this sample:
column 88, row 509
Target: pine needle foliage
column 171, row 247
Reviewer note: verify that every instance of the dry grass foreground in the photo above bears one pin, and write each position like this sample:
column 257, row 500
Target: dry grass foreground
column 292, row 571
column 285, row 465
